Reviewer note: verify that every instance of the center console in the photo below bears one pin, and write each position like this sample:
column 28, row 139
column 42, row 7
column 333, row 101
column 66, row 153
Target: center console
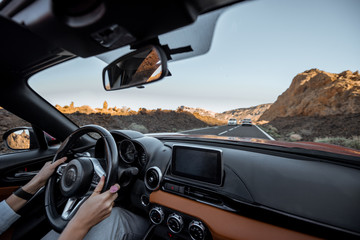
column 191, row 168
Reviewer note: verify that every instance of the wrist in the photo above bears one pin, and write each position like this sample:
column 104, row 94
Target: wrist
column 80, row 224
column 23, row 194
column 32, row 187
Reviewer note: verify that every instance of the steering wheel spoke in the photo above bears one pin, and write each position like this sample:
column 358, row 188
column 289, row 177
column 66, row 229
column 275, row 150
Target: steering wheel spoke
column 72, row 206
column 61, row 168
column 98, row 169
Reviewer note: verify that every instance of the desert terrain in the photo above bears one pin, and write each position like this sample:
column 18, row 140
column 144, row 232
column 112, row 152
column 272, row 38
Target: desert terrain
column 317, row 106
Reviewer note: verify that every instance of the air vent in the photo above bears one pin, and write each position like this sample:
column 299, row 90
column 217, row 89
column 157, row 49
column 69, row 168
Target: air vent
column 152, row 178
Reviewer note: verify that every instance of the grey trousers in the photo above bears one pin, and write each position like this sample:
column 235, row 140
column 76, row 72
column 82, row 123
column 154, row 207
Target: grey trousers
column 121, row 224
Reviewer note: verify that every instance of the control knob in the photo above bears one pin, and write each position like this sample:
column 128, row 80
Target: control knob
column 175, row 223
column 197, row 230
column 156, row 215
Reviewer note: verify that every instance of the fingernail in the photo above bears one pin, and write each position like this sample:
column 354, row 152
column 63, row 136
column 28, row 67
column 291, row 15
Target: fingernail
column 114, row 189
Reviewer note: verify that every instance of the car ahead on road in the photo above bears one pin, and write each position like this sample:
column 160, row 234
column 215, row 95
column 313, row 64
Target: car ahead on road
column 189, row 186
column 246, row 122
column 232, row 122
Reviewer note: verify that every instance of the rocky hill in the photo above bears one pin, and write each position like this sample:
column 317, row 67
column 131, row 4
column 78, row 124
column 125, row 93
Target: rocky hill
column 240, row 113
column 9, row 121
column 145, row 121
column 182, row 112
column 206, row 116
column 19, row 140
column 317, row 105
column 318, row 93
column 200, row 111
column 253, row 113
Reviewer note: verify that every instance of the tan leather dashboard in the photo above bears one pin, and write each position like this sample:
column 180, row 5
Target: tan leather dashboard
column 223, row 224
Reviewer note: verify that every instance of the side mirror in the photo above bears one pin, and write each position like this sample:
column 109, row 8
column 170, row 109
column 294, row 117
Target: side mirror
column 21, row 138
column 137, row 68
column 25, row 138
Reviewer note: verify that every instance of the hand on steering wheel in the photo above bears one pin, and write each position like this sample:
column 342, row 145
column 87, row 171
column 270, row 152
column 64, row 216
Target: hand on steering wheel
column 97, row 207
column 76, row 179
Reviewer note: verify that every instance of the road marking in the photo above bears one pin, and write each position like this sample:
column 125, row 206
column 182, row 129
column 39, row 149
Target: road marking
column 222, row 133
column 271, row 138
column 196, row 129
column 233, row 128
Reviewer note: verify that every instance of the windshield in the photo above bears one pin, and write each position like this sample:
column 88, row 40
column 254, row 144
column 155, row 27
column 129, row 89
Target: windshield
column 277, row 70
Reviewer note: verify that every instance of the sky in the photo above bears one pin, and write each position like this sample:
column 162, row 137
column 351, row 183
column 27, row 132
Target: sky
column 258, row 48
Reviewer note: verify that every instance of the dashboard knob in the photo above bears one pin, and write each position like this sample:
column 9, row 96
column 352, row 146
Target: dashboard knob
column 197, row 230
column 156, row 215
column 175, row 223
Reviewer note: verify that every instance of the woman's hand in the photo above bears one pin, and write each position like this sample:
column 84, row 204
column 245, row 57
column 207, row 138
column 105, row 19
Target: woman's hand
column 95, row 209
column 98, row 206
column 35, row 184
column 44, row 174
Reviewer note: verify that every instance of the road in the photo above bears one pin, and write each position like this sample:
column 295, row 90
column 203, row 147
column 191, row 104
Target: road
column 232, row 131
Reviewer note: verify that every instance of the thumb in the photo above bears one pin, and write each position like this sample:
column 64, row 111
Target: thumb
column 99, row 187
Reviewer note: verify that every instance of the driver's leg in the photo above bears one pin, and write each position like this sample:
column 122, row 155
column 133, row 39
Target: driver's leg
column 121, row 224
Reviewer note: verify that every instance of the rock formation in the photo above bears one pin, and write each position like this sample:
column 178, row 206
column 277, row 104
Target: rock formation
column 318, row 93
column 240, row 113
column 253, row 113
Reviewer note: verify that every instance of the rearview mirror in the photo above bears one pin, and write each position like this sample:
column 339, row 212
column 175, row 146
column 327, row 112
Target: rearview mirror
column 138, row 68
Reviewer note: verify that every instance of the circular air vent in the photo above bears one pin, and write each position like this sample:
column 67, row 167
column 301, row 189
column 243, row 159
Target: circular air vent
column 152, row 178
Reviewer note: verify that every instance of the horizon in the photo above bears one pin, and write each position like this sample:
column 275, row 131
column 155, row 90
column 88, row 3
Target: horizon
column 153, row 109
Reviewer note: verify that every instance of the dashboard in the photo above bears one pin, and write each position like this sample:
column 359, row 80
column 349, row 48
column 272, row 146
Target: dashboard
column 194, row 189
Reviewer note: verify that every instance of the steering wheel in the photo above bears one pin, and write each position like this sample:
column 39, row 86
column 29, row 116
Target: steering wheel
column 77, row 178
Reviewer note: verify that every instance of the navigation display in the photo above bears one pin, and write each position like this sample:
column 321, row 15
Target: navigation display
column 200, row 164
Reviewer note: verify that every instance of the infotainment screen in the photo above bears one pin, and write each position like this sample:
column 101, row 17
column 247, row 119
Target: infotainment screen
column 200, row 164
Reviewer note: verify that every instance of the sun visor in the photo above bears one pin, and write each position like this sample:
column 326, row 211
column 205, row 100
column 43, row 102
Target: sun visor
column 195, row 39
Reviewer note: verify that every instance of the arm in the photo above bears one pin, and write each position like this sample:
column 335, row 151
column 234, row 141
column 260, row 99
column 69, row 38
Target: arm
column 95, row 209
column 15, row 202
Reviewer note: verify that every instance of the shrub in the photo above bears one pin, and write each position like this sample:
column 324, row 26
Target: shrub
column 271, row 130
column 138, row 127
column 295, row 137
column 353, row 142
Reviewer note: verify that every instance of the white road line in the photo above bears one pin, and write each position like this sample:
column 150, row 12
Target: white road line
column 233, row 128
column 197, row 129
column 222, row 133
column 271, row 138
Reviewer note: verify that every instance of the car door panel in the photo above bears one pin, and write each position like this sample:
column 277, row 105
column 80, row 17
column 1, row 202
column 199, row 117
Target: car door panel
column 18, row 168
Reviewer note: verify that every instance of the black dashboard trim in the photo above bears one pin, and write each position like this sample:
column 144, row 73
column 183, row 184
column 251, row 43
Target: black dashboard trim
column 295, row 153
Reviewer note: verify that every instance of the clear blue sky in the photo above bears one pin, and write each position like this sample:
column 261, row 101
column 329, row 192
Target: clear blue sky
column 258, row 47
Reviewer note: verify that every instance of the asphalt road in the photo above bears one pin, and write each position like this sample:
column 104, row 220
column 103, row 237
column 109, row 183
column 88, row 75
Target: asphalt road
column 232, row 131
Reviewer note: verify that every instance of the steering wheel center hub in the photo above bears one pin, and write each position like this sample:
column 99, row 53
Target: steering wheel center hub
column 70, row 177
column 77, row 177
